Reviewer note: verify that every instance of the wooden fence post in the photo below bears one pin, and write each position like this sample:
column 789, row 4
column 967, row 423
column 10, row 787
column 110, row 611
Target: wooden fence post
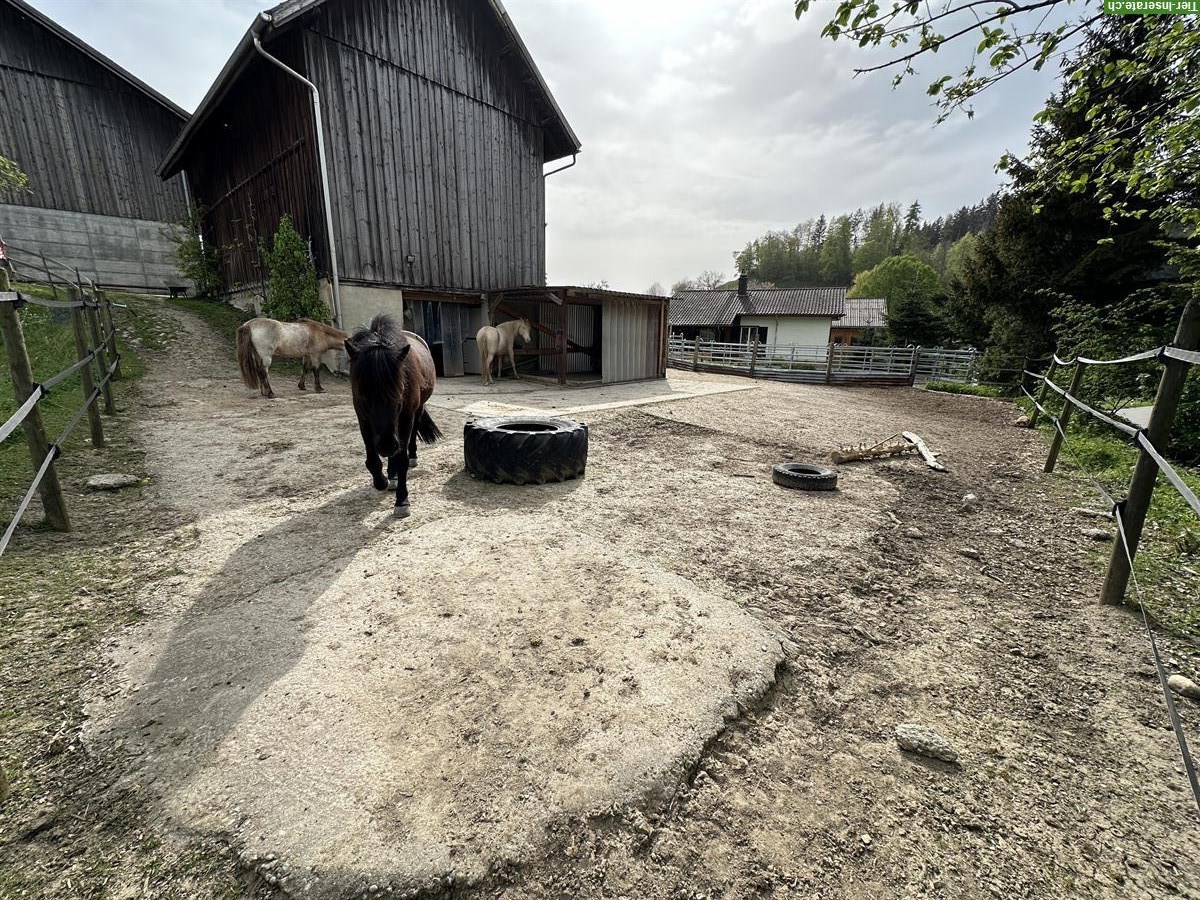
column 49, row 277
column 106, row 320
column 1041, row 398
column 35, row 432
column 101, row 358
column 828, row 362
column 1145, row 473
column 85, row 373
column 1064, row 418
column 696, row 353
column 753, row 356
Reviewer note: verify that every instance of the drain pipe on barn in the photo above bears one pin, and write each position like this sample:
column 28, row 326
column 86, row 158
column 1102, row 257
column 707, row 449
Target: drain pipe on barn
column 261, row 24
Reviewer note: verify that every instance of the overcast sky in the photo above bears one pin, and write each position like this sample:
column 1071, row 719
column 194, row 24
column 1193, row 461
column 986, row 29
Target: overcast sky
column 703, row 122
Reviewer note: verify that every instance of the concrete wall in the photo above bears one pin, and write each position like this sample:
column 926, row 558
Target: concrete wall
column 115, row 252
column 805, row 330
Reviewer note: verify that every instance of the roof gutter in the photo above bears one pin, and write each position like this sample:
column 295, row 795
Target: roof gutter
column 574, row 159
column 260, row 26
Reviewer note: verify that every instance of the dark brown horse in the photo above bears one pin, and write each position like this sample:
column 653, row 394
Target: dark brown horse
column 391, row 377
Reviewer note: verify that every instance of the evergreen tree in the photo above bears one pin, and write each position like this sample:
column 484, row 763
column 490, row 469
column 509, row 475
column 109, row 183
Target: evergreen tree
column 292, row 292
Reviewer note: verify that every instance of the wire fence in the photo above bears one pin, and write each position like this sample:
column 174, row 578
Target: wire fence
column 98, row 364
column 824, row 363
column 1138, row 498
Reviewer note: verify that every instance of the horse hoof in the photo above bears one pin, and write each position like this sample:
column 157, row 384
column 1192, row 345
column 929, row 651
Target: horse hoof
column 320, row 390
column 381, row 483
column 393, row 483
column 302, row 387
column 402, row 512
column 412, row 463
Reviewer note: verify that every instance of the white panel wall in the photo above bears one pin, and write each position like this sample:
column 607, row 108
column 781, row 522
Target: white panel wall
column 792, row 329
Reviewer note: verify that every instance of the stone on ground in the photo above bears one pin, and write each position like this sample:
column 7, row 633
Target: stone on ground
column 1184, row 687
column 112, row 481
column 925, row 741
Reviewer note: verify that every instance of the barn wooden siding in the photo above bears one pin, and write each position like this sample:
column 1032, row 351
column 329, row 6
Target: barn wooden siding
column 255, row 160
column 88, row 140
column 435, row 143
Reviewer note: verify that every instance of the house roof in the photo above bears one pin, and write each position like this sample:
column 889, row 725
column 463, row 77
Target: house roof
column 865, row 312
column 722, row 307
column 98, row 57
column 560, row 141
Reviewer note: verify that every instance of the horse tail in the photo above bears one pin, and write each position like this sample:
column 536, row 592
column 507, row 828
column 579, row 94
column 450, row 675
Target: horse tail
column 427, row 431
column 253, row 373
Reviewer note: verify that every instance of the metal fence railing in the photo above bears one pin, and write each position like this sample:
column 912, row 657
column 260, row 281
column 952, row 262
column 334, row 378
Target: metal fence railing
column 824, row 363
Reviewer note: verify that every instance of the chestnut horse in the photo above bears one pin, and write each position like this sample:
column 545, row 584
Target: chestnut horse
column 391, row 376
column 260, row 340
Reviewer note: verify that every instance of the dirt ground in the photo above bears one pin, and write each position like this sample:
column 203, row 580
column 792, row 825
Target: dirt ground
column 750, row 651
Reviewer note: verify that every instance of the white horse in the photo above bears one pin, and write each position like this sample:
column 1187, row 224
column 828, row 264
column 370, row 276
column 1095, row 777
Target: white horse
column 497, row 341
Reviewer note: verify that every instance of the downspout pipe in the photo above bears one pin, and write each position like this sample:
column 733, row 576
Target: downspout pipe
column 574, row 158
column 261, row 24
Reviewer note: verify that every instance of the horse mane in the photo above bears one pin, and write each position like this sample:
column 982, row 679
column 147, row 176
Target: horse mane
column 378, row 363
column 329, row 330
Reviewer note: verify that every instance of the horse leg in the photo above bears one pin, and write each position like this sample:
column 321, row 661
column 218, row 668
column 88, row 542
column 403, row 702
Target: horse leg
column 392, row 477
column 303, row 373
column 512, row 358
column 317, row 376
column 267, row 390
column 408, row 423
column 412, row 442
column 374, row 466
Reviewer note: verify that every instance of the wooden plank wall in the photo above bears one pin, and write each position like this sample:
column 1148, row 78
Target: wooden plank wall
column 435, row 144
column 254, row 160
column 88, row 140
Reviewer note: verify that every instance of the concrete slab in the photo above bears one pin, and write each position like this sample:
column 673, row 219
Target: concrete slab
column 1136, row 415
column 510, row 397
column 361, row 705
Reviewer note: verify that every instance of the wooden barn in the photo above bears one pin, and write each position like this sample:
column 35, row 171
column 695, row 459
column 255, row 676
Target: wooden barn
column 418, row 174
column 90, row 137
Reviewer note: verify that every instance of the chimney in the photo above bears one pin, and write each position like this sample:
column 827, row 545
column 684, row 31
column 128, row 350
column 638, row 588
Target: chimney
column 743, row 285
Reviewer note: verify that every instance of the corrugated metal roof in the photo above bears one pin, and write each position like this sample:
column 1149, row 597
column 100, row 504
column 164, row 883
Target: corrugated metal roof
column 722, row 307
column 865, row 312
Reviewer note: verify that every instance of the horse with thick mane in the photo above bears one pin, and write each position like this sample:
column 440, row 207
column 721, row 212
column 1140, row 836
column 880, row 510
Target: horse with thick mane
column 392, row 375
column 260, row 340
column 495, row 342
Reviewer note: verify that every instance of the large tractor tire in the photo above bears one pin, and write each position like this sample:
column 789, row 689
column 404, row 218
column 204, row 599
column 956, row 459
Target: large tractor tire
column 525, row 449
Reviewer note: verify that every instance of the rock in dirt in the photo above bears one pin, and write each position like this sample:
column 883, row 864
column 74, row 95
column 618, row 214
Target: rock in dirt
column 925, row 741
column 1184, row 687
column 969, row 552
column 1090, row 513
column 915, row 533
column 1097, row 534
column 112, row 481
column 970, row 503
column 1020, row 422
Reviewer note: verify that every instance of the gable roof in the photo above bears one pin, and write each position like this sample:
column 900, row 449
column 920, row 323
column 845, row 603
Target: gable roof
column 722, row 307
column 560, row 141
column 865, row 312
column 97, row 57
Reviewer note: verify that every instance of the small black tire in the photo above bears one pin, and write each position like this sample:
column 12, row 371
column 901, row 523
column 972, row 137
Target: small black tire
column 804, row 477
column 525, row 449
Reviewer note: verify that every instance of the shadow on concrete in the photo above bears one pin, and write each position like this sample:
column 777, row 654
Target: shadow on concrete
column 245, row 630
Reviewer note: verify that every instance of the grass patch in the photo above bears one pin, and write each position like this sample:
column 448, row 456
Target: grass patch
column 974, row 390
column 1168, row 558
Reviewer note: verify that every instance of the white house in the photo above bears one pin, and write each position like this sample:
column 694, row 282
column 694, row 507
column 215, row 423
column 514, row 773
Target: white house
column 772, row 315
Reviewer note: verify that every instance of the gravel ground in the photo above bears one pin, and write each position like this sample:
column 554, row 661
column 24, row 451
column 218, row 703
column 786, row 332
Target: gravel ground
column 1067, row 781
